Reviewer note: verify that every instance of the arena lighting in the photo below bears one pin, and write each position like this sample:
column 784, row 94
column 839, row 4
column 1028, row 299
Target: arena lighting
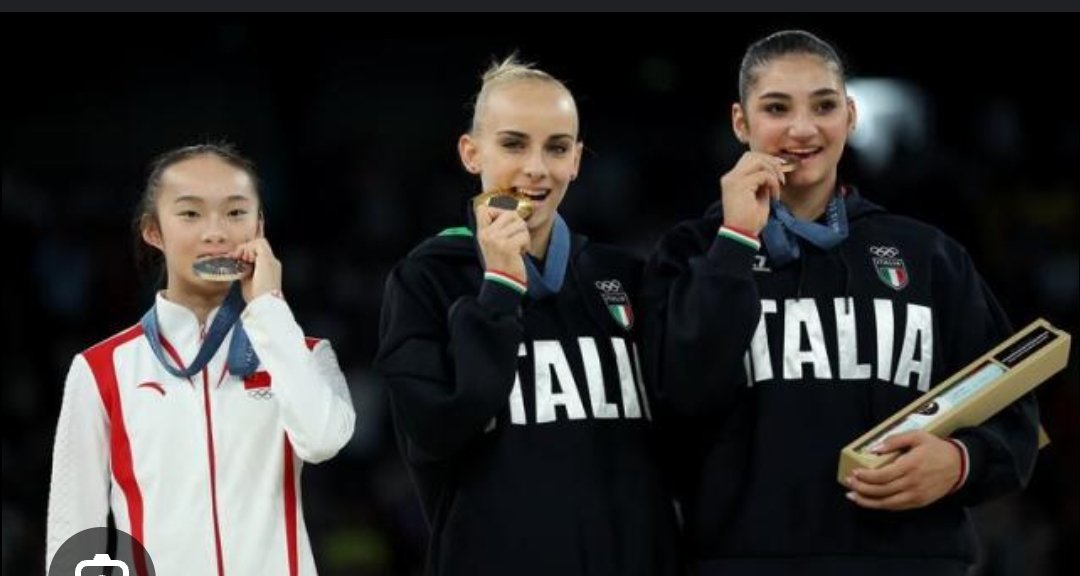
column 892, row 113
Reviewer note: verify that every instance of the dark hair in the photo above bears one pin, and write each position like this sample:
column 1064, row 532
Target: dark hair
column 149, row 260
column 779, row 44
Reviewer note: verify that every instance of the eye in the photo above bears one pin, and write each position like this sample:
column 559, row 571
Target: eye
column 775, row 108
column 558, row 149
column 188, row 214
column 513, row 144
column 237, row 213
column 826, row 106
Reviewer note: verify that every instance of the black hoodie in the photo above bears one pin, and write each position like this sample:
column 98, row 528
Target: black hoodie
column 768, row 372
column 524, row 422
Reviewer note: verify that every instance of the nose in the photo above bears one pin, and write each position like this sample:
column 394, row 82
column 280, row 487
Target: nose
column 535, row 167
column 802, row 126
column 214, row 231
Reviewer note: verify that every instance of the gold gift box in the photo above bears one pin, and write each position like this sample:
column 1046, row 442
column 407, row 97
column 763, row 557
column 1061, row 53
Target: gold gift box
column 972, row 395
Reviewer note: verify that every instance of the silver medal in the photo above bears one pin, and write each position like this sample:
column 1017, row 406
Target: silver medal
column 220, row 269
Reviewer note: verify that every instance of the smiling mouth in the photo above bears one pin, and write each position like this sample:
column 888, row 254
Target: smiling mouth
column 800, row 155
column 535, row 195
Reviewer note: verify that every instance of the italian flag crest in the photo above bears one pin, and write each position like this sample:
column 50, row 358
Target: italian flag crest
column 890, row 266
column 617, row 302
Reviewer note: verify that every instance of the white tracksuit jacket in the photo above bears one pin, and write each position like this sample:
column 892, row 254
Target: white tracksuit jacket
column 204, row 472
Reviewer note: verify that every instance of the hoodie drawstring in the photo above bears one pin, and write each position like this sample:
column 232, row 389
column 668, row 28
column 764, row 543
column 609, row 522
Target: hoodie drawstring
column 847, row 279
column 802, row 277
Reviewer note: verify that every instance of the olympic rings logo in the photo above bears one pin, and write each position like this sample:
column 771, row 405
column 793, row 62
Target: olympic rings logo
column 261, row 394
column 609, row 286
column 884, row 251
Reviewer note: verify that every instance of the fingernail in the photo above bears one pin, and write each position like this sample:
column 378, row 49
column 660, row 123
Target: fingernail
column 850, row 495
column 849, row 480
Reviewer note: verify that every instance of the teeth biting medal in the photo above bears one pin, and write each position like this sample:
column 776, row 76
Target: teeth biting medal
column 506, row 199
column 220, row 268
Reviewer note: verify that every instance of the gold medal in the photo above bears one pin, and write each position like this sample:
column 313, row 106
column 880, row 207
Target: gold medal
column 506, row 199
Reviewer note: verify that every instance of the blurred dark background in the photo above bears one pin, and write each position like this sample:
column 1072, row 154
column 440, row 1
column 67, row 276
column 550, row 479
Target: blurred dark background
column 354, row 128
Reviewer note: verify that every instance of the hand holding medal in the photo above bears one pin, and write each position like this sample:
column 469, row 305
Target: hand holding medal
column 252, row 263
column 506, row 199
column 501, row 230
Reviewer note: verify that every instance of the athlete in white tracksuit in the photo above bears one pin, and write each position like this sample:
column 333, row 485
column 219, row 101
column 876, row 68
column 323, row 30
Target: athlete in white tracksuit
column 204, row 471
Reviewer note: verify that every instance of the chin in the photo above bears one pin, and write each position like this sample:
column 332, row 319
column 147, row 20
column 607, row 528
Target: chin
column 810, row 179
column 537, row 220
column 209, row 286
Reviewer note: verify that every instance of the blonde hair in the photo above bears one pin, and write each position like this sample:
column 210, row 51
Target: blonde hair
column 509, row 70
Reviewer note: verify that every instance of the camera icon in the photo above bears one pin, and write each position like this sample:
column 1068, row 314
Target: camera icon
column 101, row 561
column 111, row 551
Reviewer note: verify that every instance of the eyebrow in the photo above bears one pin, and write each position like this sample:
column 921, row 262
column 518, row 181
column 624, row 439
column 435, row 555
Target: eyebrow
column 201, row 200
column 526, row 136
column 815, row 94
